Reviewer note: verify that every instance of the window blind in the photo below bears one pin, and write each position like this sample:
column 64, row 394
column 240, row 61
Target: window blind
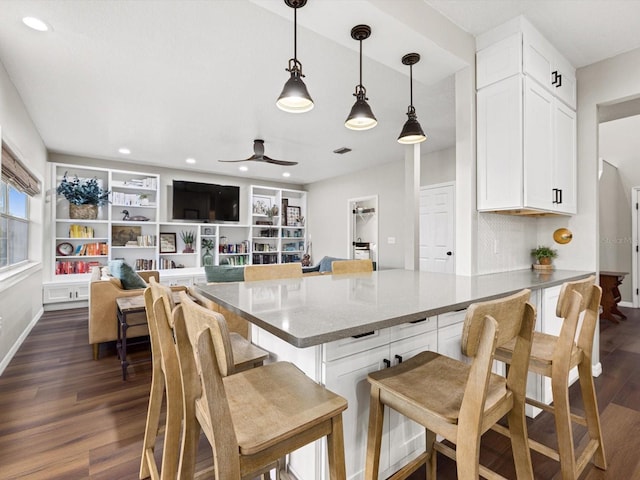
column 14, row 172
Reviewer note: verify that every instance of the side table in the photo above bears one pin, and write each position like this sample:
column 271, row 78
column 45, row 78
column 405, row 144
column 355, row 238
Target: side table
column 609, row 282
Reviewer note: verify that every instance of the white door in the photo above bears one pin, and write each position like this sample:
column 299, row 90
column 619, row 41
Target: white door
column 437, row 228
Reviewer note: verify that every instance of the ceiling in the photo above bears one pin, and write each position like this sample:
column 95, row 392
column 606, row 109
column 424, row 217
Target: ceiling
column 173, row 79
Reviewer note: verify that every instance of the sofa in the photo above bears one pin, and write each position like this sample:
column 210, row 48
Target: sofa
column 103, row 325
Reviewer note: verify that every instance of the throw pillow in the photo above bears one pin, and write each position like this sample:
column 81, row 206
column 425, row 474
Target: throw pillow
column 128, row 276
column 325, row 263
column 223, row 273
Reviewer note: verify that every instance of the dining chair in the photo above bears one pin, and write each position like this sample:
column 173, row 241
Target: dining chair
column 461, row 401
column 252, row 418
column 166, row 383
column 554, row 357
column 351, row 266
column 253, row 273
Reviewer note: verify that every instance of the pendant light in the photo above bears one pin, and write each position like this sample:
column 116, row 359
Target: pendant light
column 294, row 97
column 361, row 116
column 412, row 131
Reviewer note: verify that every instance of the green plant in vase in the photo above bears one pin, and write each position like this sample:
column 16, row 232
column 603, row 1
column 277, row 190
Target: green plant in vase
column 188, row 237
column 207, row 246
column 544, row 255
column 84, row 196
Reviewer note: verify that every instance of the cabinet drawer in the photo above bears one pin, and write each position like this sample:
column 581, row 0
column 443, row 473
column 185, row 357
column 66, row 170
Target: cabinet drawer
column 499, row 61
column 451, row 318
column 411, row 329
column 349, row 346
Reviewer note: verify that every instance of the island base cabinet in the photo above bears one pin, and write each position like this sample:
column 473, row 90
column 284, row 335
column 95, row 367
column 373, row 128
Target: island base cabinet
column 402, row 439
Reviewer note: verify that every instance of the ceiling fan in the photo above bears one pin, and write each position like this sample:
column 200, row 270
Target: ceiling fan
column 259, row 156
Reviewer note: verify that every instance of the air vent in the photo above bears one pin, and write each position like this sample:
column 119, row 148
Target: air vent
column 342, row 150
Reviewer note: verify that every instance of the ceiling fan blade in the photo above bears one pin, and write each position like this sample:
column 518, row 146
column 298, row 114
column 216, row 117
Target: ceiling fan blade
column 252, row 157
column 278, row 162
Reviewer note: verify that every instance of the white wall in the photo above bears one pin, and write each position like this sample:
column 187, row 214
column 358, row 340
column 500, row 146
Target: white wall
column 438, row 167
column 329, row 215
column 21, row 293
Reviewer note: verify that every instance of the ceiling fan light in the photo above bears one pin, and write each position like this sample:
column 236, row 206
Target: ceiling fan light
column 411, row 131
column 361, row 116
column 295, row 97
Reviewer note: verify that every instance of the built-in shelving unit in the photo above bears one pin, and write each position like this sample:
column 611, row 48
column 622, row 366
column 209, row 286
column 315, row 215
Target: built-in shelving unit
column 278, row 224
column 129, row 228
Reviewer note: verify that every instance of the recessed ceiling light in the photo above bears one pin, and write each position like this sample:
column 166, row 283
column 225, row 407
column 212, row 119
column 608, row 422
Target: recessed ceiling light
column 124, row 151
column 243, row 169
column 190, row 160
column 286, row 174
column 35, row 23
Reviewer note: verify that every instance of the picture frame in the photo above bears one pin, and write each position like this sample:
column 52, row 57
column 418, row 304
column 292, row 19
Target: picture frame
column 293, row 216
column 207, row 231
column 121, row 234
column 262, row 204
column 168, row 243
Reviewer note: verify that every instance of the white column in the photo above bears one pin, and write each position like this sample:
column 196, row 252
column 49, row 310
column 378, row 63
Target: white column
column 412, row 206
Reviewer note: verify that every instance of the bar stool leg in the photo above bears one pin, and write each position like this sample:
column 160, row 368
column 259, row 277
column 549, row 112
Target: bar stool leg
column 335, row 450
column 153, row 423
column 588, row 391
column 432, row 455
column 562, row 415
column 374, row 435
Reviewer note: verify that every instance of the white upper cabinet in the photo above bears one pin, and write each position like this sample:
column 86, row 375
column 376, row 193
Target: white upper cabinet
column 526, row 123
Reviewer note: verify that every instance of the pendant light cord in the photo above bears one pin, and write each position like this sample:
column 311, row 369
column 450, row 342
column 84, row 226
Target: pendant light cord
column 361, row 63
column 295, row 34
column 411, row 85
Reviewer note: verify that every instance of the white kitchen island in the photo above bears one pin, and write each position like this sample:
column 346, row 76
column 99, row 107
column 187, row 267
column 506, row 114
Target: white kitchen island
column 337, row 329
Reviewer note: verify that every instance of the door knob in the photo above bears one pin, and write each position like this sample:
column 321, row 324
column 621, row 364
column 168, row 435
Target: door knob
column 449, row 253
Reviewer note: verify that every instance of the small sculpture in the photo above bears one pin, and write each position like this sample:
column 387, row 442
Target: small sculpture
column 135, row 218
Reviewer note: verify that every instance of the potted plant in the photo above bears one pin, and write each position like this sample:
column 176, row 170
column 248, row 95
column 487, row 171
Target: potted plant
column 84, row 196
column 207, row 245
column 544, row 255
column 188, row 237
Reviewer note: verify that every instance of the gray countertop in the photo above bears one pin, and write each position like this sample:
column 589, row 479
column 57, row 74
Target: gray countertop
column 318, row 309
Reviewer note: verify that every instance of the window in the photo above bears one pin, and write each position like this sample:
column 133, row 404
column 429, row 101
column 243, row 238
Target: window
column 16, row 185
column 14, row 225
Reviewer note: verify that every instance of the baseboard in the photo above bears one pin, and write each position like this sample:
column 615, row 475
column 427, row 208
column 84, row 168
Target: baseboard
column 625, row 304
column 596, row 369
column 12, row 351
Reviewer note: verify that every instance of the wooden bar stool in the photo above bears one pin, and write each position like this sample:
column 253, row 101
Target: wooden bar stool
column 351, row 266
column 166, row 380
column 554, row 357
column 254, row 273
column 255, row 417
column 460, row 401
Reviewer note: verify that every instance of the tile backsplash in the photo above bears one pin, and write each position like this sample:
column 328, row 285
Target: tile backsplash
column 504, row 242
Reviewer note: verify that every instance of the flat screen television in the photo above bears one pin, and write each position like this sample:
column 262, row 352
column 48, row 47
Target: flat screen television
column 205, row 202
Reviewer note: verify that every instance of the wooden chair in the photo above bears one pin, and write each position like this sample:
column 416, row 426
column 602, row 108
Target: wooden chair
column 255, row 417
column 351, row 266
column 554, row 357
column 460, row 401
column 253, row 273
column 166, row 379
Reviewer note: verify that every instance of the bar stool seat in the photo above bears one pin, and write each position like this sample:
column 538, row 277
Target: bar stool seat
column 460, row 401
column 252, row 418
column 554, row 356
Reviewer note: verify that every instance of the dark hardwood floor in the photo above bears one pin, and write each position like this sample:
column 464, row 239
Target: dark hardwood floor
column 65, row 416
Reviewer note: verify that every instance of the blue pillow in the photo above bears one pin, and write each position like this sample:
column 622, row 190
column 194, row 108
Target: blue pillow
column 128, row 276
column 325, row 263
column 224, row 273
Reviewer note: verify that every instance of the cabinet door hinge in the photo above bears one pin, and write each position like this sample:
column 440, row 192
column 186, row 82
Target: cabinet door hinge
column 636, row 205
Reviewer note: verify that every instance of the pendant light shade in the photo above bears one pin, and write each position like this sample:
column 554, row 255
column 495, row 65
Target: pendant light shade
column 295, row 97
column 361, row 116
column 411, row 131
